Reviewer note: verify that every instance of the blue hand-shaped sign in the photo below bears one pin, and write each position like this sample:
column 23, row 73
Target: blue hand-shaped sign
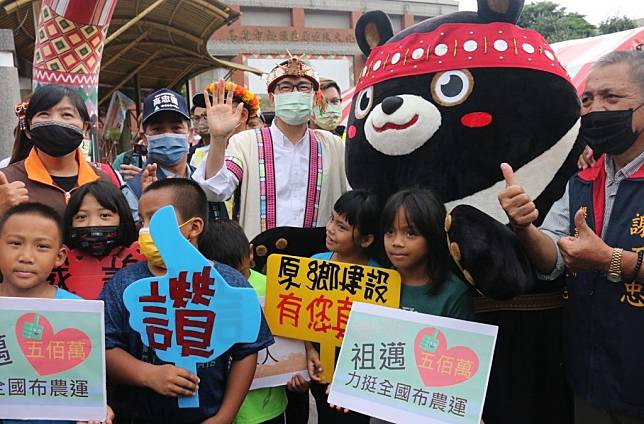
column 191, row 314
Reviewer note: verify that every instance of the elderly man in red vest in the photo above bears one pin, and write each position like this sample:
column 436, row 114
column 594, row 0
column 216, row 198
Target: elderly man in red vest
column 595, row 233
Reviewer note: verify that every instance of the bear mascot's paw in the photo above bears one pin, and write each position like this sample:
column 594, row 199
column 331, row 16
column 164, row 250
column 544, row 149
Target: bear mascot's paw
column 488, row 253
column 287, row 241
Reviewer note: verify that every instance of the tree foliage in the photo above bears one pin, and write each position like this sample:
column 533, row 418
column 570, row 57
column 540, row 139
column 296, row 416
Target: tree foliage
column 616, row 24
column 555, row 23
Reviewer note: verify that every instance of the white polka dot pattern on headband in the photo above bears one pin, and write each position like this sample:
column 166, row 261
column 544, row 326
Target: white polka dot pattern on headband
column 470, row 46
column 481, row 45
column 500, row 45
column 417, row 54
column 441, row 50
column 528, row 48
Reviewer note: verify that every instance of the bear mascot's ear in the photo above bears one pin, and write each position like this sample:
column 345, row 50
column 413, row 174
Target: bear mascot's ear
column 500, row 10
column 373, row 29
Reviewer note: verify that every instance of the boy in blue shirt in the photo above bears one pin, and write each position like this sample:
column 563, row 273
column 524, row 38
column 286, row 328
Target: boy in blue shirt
column 31, row 245
column 148, row 386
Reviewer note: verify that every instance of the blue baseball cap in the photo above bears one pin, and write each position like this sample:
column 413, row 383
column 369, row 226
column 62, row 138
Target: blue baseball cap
column 165, row 100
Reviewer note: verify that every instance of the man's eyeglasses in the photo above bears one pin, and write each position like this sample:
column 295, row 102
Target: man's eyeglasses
column 287, row 87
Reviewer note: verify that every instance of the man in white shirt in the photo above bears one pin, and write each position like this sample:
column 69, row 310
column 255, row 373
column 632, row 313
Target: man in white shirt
column 285, row 175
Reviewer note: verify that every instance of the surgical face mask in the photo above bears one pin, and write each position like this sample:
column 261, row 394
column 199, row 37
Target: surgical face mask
column 167, row 149
column 149, row 249
column 294, row 108
column 609, row 131
column 97, row 241
column 328, row 119
column 57, row 139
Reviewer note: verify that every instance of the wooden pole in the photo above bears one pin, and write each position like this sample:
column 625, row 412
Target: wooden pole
column 125, row 49
column 164, row 28
column 137, row 94
column 214, row 9
column 128, row 77
column 188, row 98
column 179, row 77
column 133, row 21
column 12, row 7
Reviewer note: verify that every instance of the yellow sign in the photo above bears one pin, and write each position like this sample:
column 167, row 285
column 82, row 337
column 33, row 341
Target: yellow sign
column 310, row 299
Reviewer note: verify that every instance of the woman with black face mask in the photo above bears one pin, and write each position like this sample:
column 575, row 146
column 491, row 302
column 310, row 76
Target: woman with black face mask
column 101, row 236
column 47, row 166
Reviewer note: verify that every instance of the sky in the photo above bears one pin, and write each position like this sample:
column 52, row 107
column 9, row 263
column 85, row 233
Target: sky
column 594, row 10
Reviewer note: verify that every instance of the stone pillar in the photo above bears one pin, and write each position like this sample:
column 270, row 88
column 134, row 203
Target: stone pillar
column 9, row 92
column 297, row 18
column 407, row 20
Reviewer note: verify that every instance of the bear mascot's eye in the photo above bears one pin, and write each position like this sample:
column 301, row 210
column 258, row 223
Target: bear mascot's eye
column 364, row 102
column 451, row 88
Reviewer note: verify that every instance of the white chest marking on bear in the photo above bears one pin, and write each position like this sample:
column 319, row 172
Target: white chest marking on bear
column 534, row 176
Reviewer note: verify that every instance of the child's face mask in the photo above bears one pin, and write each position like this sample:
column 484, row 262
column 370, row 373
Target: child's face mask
column 149, row 249
column 97, row 241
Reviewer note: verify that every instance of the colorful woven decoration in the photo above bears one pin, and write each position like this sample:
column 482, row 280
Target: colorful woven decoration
column 460, row 46
column 240, row 93
column 69, row 45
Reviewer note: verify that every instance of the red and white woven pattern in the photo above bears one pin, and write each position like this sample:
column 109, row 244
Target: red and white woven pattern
column 458, row 46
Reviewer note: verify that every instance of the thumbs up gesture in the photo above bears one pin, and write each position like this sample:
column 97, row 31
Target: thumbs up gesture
column 32, row 330
column 516, row 203
column 187, row 299
column 586, row 251
column 11, row 194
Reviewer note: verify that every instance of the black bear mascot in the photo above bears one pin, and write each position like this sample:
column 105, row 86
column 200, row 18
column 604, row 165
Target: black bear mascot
column 441, row 105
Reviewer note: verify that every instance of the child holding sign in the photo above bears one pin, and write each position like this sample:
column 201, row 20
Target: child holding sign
column 351, row 234
column 149, row 386
column 31, row 245
column 227, row 243
column 101, row 234
column 414, row 239
column 415, row 244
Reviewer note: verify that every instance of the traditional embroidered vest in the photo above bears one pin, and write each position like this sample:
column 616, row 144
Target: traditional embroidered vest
column 267, row 188
column 250, row 158
column 604, row 321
